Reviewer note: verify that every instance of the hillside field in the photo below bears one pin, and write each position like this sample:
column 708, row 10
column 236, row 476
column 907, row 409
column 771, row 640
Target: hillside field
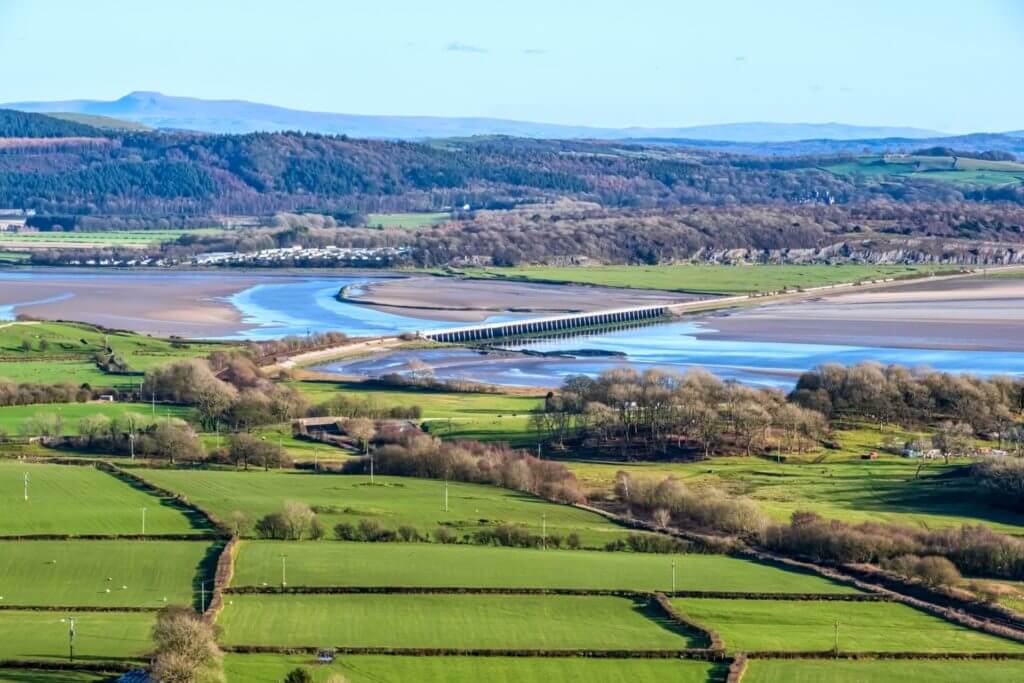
column 398, row 669
column 776, row 625
column 104, row 636
column 137, row 573
column 391, row 501
column 66, row 499
column 459, row 621
column 431, row 564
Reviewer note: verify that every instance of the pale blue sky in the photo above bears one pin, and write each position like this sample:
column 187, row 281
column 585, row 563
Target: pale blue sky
column 951, row 65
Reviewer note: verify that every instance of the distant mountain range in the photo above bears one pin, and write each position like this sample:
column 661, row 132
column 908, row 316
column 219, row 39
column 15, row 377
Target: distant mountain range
column 238, row 116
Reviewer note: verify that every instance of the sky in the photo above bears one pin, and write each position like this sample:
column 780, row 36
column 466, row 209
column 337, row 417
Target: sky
column 947, row 65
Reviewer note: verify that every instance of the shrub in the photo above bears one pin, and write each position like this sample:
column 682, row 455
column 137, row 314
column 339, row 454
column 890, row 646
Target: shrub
column 443, row 534
column 573, row 540
column 272, row 526
column 298, row 675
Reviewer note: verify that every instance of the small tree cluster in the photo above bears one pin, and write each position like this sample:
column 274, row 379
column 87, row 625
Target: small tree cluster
column 414, row 454
column 185, row 648
column 294, row 521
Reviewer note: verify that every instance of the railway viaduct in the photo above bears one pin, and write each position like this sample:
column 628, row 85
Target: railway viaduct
column 573, row 321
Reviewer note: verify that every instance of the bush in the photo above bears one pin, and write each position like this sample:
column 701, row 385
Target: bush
column 272, row 526
column 652, row 543
column 298, row 675
column 443, row 534
column 508, row 535
column 409, row 533
column 573, row 540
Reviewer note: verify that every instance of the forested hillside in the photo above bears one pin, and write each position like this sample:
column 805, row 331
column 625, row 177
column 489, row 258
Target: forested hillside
column 175, row 174
column 14, row 124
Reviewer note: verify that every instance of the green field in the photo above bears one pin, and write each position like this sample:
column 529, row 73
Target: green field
column 709, row 279
column 66, row 499
column 835, row 484
column 392, row 501
column 449, row 414
column 405, row 221
column 66, row 352
column 61, row 371
column 399, row 669
column 459, row 621
column 965, row 172
column 98, row 635
column 882, row 671
column 56, row 676
column 12, row 418
column 132, row 239
column 777, row 625
column 430, row 564
column 79, row 573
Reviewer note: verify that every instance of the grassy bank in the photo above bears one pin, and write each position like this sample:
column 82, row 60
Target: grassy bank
column 709, row 279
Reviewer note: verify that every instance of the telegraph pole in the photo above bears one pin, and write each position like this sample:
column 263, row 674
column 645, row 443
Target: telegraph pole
column 446, row 495
column 284, row 569
column 673, row 576
column 143, row 521
column 835, row 645
column 544, row 531
column 71, row 639
column 26, row 486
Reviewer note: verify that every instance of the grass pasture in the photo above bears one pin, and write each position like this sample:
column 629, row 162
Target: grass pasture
column 392, row 501
column 122, row 239
column 49, row 341
column 448, row 414
column 882, row 671
column 66, row 499
column 706, row 279
column 835, row 484
column 780, row 625
column 104, row 636
column 12, row 418
column 398, row 669
column 435, row 565
column 405, row 221
column 959, row 171
column 76, row 573
column 457, row 621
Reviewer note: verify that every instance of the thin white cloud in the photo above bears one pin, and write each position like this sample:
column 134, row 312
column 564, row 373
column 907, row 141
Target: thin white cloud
column 457, row 46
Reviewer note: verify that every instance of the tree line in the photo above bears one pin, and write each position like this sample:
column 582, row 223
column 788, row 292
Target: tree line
column 657, row 412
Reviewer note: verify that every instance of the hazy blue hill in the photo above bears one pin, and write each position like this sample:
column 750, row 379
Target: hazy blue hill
column 239, row 116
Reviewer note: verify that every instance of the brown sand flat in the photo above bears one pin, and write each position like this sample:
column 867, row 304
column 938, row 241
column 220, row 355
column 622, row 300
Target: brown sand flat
column 972, row 314
column 464, row 300
column 162, row 304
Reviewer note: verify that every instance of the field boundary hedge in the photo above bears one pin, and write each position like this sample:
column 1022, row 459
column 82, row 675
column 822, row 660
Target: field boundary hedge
column 204, row 537
column 112, row 667
column 498, row 590
column 438, row 590
column 686, row 653
column 795, row 597
column 737, row 668
column 222, row 576
column 75, row 608
column 971, row 615
column 714, row 638
column 831, row 654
